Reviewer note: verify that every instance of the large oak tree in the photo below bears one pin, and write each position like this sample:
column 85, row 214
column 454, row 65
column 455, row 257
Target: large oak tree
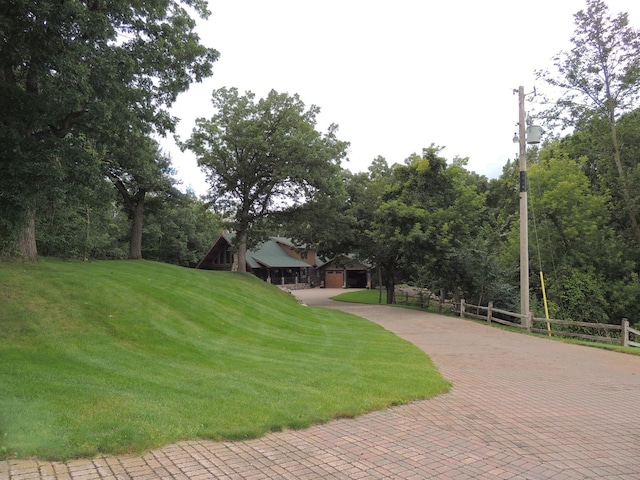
column 263, row 157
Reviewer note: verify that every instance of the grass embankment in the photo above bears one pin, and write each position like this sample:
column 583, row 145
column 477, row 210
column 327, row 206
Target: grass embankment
column 122, row 356
column 372, row 297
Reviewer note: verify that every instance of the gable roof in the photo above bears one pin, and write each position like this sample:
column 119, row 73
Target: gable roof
column 347, row 262
column 269, row 253
column 220, row 244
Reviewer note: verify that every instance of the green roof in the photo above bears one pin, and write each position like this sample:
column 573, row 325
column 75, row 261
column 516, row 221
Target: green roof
column 270, row 254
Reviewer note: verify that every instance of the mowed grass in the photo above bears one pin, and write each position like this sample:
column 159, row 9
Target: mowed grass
column 123, row 356
column 371, row 297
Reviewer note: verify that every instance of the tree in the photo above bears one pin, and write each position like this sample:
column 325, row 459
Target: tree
column 263, row 157
column 138, row 168
column 600, row 77
column 178, row 228
column 406, row 227
column 324, row 223
column 67, row 67
column 397, row 233
column 619, row 262
column 461, row 261
column 572, row 217
column 78, row 218
column 573, row 242
column 590, row 143
column 335, row 223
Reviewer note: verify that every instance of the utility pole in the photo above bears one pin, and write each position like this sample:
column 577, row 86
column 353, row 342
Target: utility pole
column 524, row 216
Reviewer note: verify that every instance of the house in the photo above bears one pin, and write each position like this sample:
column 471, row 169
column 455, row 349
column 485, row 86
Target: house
column 278, row 261
column 275, row 260
column 344, row 272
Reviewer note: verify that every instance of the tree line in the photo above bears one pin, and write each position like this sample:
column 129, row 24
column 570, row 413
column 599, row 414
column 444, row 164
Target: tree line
column 84, row 177
column 84, row 89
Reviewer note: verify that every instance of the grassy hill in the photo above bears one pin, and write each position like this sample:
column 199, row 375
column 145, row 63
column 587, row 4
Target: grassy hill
column 122, row 356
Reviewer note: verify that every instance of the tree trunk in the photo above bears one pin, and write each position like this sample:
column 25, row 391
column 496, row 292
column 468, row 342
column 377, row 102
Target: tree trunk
column 626, row 195
column 391, row 291
column 456, row 292
column 135, row 204
column 242, row 251
column 27, row 237
column 135, row 245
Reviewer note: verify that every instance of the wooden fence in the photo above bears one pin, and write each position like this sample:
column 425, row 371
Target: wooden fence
column 492, row 314
column 599, row 332
column 621, row 334
column 417, row 297
column 627, row 332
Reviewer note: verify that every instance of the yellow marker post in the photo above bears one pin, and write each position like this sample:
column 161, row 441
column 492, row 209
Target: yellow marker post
column 546, row 307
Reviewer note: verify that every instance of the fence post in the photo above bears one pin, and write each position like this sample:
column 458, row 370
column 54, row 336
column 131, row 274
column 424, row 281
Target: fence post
column 462, row 308
column 529, row 324
column 489, row 312
column 624, row 338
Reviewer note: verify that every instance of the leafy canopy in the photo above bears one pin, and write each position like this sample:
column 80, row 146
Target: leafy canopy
column 601, row 73
column 263, row 157
column 105, row 70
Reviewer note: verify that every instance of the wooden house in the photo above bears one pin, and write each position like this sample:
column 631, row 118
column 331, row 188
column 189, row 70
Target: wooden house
column 275, row 260
column 278, row 261
column 344, row 272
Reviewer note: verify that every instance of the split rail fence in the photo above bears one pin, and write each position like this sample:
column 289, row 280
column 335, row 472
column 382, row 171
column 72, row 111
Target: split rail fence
column 621, row 334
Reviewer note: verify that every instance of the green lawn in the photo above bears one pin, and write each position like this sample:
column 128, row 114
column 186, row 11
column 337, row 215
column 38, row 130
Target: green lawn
column 363, row 296
column 373, row 297
column 123, row 356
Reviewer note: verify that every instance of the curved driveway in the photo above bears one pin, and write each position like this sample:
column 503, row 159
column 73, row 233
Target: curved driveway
column 521, row 407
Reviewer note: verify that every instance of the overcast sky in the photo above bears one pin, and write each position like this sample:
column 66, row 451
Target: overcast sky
column 396, row 76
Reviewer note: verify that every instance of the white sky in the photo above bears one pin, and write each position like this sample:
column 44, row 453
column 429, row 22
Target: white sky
column 396, row 75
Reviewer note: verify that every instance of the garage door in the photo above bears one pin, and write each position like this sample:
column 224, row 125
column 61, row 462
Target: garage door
column 333, row 279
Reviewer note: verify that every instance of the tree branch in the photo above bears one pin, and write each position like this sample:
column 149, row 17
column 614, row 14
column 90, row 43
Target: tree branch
column 126, row 197
column 66, row 126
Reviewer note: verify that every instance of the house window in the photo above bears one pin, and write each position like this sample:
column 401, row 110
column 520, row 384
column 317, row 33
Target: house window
column 223, row 258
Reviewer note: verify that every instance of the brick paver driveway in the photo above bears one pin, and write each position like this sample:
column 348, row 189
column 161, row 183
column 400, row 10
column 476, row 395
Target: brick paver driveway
column 520, row 407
